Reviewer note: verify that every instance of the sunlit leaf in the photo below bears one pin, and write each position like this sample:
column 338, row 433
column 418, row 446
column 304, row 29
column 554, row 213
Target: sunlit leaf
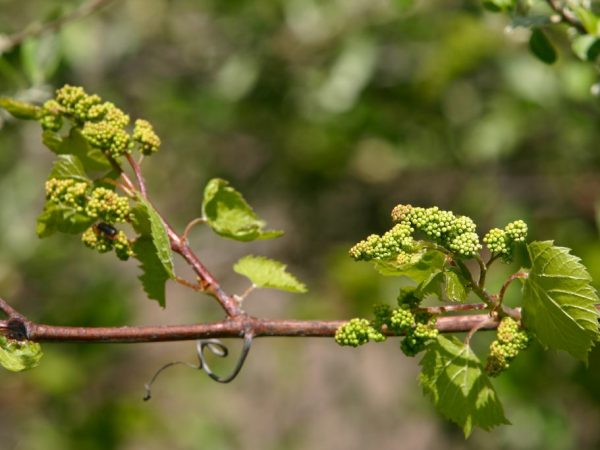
column 229, row 215
column 451, row 374
column 267, row 273
column 559, row 300
column 17, row 356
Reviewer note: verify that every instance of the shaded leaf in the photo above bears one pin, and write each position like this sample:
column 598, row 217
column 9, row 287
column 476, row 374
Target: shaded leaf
column 559, row 300
column 154, row 275
column 454, row 287
column 451, row 374
column 230, row 216
column 20, row 110
column 541, row 46
column 61, row 218
column 267, row 273
column 75, row 144
column 68, row 166
column 422, row 267
column 586, row 47
column 148, row 223
column 17, row 356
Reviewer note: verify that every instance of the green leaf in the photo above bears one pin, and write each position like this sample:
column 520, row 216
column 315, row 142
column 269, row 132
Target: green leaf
column 17, row 356
column 148, row 223
column 267, row 273
column 586, row 47
column 559, row 300
column 68, row 166
column 62, row 219
column 154, row 275
column 422, row 267
column 230, row 216
column 75, row 144
column 541, row 46
column 20, row 110
column 454, row 287
column 452, row 376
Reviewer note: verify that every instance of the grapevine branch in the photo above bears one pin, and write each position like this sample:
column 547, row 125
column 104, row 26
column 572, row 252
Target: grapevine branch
column 566, row 15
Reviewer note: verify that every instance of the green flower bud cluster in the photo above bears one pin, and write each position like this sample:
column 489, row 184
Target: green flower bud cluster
column 502, row 242
column 95, row 239
column 402, row 320
column 417, row 338
column 67, row 192
column 108, row 206
column 357, row 332
column 395, row 242
column 144, row 134
column 102, row 123
column 457, row 233
column 510, row 341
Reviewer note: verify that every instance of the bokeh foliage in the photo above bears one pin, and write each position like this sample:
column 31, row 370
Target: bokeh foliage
column 324, row 114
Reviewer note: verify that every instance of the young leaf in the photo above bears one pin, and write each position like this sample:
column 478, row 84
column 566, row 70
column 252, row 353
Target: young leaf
column 452, row 375
column 267, row 273
column 154, row 275
column 559, row 300
column 230, row 216
column 148, row 223
column 17, row 356
column 422, row 267
column 62, row 219
column 541, row 46
column 454, row 287
column 20, row 110
column 75, row 144
column 68, row 166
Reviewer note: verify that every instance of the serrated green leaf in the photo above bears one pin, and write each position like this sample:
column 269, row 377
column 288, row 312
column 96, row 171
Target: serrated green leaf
column 559, row 300
column 147, row 223
column 541, row 46
column 268, row 273
column 62, row 219
column 17, row 356
column 422, row 267
column 454, row 287
column 68, row 166
column 20, row 110
column 154, row 275
column 75, row 144
column 230, row 216
column 451, row 374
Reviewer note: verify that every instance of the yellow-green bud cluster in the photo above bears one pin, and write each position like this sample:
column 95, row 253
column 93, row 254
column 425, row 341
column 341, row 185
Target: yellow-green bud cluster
column 393, row 243
column 108, row 137
column 51, row 116
column 67, row 192
column 510, row 341
column 144, row 135
column 97, row 240
column 101, row 123
column 457, row 233
column 402, row 320
column 108, row 206
column 357, row 332
column 502, row 242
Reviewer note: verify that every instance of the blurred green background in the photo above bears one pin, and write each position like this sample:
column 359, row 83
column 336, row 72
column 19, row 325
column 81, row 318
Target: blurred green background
column 325, row 114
